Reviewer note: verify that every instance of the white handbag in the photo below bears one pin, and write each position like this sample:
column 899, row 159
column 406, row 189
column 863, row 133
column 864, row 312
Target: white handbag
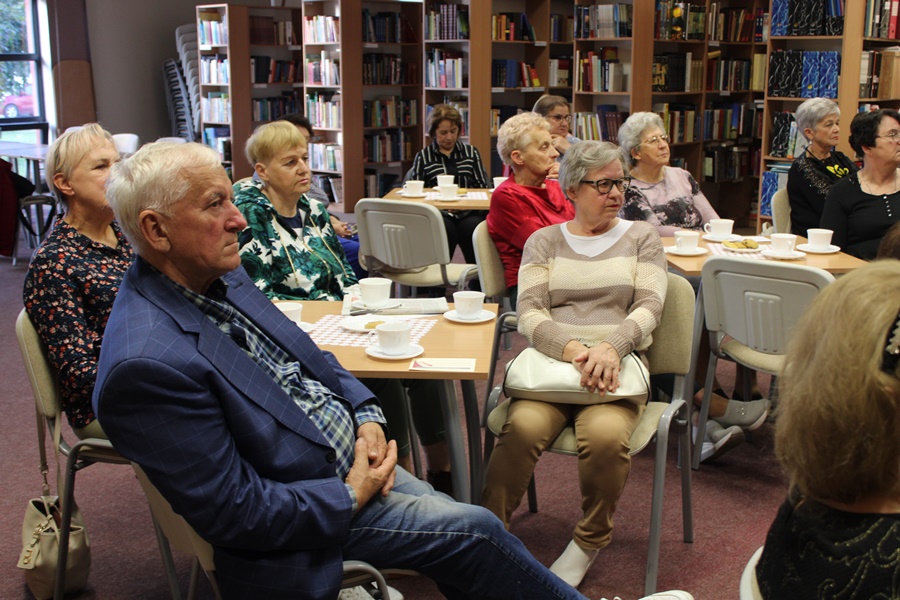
column 533, row 375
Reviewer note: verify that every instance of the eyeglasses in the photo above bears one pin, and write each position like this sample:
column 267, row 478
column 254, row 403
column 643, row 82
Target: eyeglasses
column 654, row 141
column 605, row 186
column 892, row 135
column 560, row 118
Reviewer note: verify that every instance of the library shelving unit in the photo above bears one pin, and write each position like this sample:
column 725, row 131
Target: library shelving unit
column 391, row 91
column 850, row 45
column 250, row 72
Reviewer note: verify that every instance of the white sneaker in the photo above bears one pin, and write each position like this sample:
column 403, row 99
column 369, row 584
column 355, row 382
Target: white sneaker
column 573, row 563
column 360, row 593
column 670, row 595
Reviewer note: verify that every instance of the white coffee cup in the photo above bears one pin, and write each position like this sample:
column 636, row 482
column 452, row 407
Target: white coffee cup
column 393, row 337
column 783, row 243
column 819, row 239
column 687, row 241
column 414, row 187
column 375, row 291
column 444, row 180
column 468, row 304
column 448, row 191
column 498, row 181
column 720, row 228
column 292, row 310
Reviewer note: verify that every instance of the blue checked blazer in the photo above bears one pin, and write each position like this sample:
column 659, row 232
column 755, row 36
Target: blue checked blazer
column 222, row 441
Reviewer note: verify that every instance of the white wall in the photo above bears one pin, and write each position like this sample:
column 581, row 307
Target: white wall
column 129, row 41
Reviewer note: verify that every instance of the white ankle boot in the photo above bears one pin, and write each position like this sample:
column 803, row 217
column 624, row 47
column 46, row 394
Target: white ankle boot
column 573, row 563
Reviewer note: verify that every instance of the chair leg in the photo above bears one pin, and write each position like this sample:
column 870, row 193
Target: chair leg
column 704, row 409
column 532, row 495
column 165, row 553
column 68, row 499
column 414, row 448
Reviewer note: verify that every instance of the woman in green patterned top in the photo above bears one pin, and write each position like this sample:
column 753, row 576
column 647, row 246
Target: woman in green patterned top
column 291, row 252
column 289, row 247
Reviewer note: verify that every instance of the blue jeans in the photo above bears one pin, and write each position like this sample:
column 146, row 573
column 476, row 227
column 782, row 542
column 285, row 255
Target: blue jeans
column 462, row 547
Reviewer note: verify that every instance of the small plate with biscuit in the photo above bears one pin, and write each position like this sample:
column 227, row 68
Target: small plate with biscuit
column 743, row 246
column 366, row 323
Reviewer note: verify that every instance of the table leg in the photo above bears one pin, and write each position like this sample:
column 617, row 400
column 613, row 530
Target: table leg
column 473, row 429
column 453, row 434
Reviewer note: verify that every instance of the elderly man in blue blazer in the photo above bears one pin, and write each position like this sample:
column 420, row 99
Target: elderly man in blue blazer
column 271, row 450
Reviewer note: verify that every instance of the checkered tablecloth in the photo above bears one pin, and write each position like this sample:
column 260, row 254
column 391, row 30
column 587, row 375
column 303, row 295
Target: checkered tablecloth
column 466, row 196
column 328, row 331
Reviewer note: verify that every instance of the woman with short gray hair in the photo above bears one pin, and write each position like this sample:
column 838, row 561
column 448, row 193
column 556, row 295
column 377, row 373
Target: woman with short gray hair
column 667, row 197
column 819, row 166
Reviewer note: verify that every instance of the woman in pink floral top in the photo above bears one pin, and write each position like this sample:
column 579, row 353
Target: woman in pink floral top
column 75, row 274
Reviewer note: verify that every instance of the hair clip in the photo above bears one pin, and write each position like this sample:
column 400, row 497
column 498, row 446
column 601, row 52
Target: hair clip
column 892, row 350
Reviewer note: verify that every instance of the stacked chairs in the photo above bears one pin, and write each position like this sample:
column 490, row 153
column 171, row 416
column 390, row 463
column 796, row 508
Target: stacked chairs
column 186, row 42
column 179, row 105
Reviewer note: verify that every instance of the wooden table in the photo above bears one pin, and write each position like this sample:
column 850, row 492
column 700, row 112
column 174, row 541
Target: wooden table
column 444, row 340
column 464, row 204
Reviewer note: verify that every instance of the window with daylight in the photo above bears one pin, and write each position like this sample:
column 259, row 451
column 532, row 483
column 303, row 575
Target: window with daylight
column 22, row 108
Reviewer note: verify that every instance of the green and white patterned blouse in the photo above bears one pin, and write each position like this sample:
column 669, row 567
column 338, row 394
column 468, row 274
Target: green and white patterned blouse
column 291, row 259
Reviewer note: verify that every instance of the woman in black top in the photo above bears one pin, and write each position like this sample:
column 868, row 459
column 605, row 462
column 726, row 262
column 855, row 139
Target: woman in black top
column 819, row 166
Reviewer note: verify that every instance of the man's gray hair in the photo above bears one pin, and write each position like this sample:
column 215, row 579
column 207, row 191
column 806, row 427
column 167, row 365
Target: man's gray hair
column 583, row 157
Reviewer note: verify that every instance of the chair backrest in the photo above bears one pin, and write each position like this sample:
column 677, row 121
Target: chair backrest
column 670, row 351
column 781, row 211
column 126, row 143
column 400, row 234
column 179, row 533
column 757, row 302
column 490, row 269
column 749, row 584
column 40, row 374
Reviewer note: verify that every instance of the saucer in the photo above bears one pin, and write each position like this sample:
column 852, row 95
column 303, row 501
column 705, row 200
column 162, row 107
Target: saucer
column 406, row 194
column 731, row 238
column 694, row 252
column 359, row 304
column 793, row 255
column 829, row 249
column 741, row 250
column 375, row 352
column 448, row 198
column 306, row 327
column 485, row 316
column 358, row 324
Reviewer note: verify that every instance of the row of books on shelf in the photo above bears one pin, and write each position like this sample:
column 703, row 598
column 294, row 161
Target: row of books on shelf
column 732, row 121
column 879, row 74
column 390, row 111
column 727, row 74
column 774, row 178
column 500, row 114
column 387, row 69
column 267, row 31
column 512, row 73
column 377, row 185
column 326, row 157
column 599, row 71
column 559, row 72
column 445, row 69
column 265, row 69
column 680, row 121
column 324, row 109
column 603, row 21
column 679, row 21
column 332, row 186
column 562, row 28
column 600, row 125
column 211, row 30
column 447, row 22
column 387, row 146
column 804, row 73
column 386, row 27
column 677, row 72
column 216, row 107
column 322, row 70
column 322, row 29
column 214, row 69
column 807, row 17
column 882, row 19
column 273, row 108
column 726, row 162
column 219, row 139
column 511, row 26
column 787, row 139
column 461, row 104
column 736, row 24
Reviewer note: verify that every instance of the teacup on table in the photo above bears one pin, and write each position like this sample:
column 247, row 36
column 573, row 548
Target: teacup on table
column 393, row 337
column 687, row 241
column 783, row 243
column 468, row 304
column 819, row 239
column 375, row 291
column 498, row 181
column 292, row 310
column 444, row 180
column 448, row 191
column 414, row 187
column 719, row 228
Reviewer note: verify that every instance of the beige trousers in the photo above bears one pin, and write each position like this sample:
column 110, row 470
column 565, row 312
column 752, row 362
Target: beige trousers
column 602, row 433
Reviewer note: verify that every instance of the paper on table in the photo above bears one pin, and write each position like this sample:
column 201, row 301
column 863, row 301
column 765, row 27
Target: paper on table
column 408, row 306
column 443, row 364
